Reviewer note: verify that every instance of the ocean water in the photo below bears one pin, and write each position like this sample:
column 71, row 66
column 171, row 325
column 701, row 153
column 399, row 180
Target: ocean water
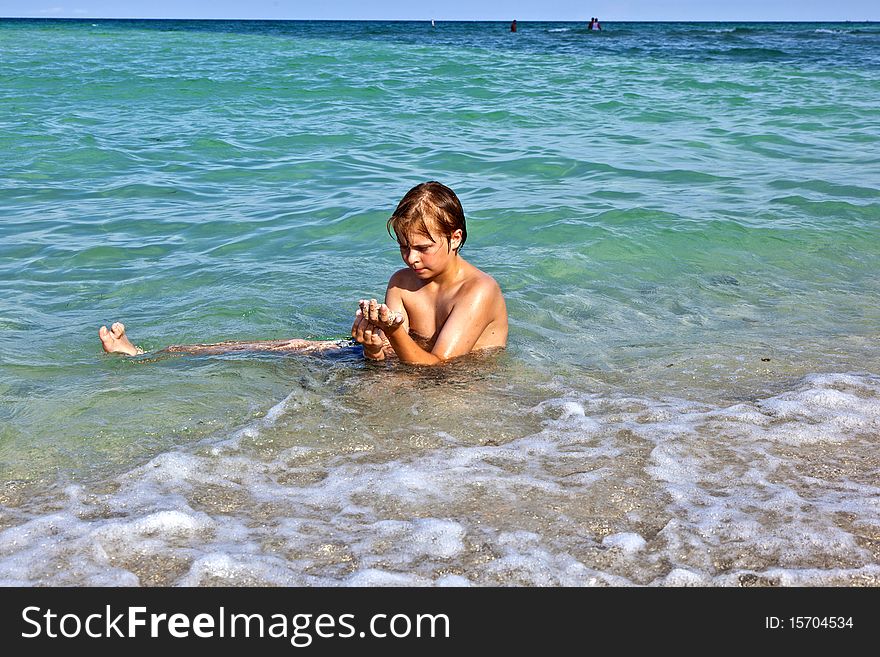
column 683, row 218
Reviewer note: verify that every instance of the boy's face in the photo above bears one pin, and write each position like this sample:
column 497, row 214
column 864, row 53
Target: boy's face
column 428, row 255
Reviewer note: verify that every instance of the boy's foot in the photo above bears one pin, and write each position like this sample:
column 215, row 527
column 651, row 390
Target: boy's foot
column 115, row 341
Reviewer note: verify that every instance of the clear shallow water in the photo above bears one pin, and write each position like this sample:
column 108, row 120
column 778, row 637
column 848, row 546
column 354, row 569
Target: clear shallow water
column 683, row 219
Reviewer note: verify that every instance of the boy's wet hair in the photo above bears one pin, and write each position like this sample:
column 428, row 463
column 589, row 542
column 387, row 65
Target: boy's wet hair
column 428, row 205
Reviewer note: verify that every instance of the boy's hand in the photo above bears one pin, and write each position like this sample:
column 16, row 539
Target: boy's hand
column 381, row 315
column 370, row 336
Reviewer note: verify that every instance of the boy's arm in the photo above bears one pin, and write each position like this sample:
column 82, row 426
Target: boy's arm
column 375, row 342
column 464, row 326
column 409, row 352
column 394, row 301
column 470, row 316
column 371, row 337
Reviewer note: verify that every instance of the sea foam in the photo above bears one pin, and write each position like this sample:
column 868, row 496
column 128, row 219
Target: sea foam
column 613, row 489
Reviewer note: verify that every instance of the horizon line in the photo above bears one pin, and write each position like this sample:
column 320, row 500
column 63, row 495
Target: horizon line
column 418, row 20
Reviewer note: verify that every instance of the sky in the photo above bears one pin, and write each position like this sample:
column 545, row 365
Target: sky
column 522, row 10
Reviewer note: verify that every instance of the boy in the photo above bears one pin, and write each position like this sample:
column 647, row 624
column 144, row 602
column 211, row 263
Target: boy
column 438, row 308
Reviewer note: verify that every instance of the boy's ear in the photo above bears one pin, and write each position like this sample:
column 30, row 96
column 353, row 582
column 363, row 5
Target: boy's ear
column 455, row 239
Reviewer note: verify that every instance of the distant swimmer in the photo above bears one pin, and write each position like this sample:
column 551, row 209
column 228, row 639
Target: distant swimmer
column 513, row 26
column 432, row 23
column 437, row 308
column 594, row 24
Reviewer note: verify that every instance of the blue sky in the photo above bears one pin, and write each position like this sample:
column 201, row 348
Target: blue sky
column 523, row 10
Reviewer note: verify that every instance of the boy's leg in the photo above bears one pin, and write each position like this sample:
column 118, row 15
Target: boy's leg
column 290, row 346
column 115, row 341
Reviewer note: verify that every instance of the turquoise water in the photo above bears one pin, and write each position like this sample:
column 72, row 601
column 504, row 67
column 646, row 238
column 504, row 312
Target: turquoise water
column 683, row 219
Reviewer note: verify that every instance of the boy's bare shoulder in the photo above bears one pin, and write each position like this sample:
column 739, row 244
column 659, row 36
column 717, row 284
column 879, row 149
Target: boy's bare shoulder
column 480, row 281
column 404, row 278
column 476, row 282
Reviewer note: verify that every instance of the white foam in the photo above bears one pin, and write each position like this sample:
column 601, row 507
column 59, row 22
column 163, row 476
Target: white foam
column 376, row 577
column 438, row 538
column 779, row 488
column 571, row 409
column 628, row 542
column 685, row 577
column 171, row 523
column 228, row 570
column 865, row 575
